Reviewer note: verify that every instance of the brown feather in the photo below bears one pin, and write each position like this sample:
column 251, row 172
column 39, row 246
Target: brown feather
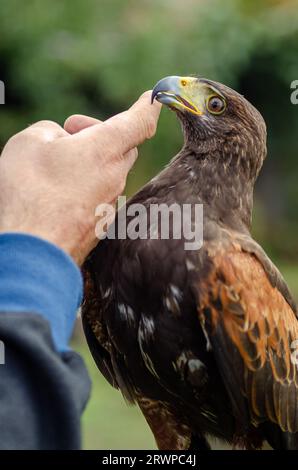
column 262, row 334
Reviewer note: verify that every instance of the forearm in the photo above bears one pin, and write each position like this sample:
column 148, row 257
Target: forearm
column 44, row 386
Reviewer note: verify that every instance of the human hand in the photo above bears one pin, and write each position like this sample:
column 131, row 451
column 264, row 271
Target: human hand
column 52, row 179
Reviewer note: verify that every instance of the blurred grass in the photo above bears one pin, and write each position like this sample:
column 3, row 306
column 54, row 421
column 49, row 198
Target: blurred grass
column 290, row 273
column 108, row 422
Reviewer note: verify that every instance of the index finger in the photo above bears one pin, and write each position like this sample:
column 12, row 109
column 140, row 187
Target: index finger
column 78, row 122
column 126, row 130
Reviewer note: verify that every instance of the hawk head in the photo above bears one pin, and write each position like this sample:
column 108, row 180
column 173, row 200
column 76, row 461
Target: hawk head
column 217, row 122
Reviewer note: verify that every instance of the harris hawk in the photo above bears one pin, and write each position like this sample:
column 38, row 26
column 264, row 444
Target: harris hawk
column 201, row 340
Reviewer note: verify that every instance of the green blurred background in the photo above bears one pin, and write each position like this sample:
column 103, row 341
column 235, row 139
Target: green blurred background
column 95, row 57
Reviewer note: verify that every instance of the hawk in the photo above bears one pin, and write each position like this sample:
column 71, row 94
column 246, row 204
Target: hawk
column 200, row 339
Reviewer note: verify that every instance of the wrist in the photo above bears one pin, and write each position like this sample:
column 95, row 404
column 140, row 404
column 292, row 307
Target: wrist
column 75, row 236
column 37, row 277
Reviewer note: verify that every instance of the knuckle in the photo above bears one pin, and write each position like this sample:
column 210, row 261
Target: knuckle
column 46, row 123
column 15, row 139
column 22, row 138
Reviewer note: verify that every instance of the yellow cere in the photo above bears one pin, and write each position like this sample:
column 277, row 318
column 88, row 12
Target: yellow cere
column 190, row 92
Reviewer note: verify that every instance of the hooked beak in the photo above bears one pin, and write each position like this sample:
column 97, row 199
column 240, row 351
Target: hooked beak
column 178, row 93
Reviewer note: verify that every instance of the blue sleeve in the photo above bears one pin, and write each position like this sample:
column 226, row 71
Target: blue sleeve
column 36, row 276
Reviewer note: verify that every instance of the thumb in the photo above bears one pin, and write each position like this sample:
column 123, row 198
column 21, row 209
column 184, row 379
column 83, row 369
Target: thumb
column 78, row 122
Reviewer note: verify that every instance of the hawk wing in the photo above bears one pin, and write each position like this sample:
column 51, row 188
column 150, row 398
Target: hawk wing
column 249, row 317
column 94, row 329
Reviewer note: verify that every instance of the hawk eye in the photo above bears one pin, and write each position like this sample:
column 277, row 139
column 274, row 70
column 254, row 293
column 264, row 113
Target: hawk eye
column 216, row 105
